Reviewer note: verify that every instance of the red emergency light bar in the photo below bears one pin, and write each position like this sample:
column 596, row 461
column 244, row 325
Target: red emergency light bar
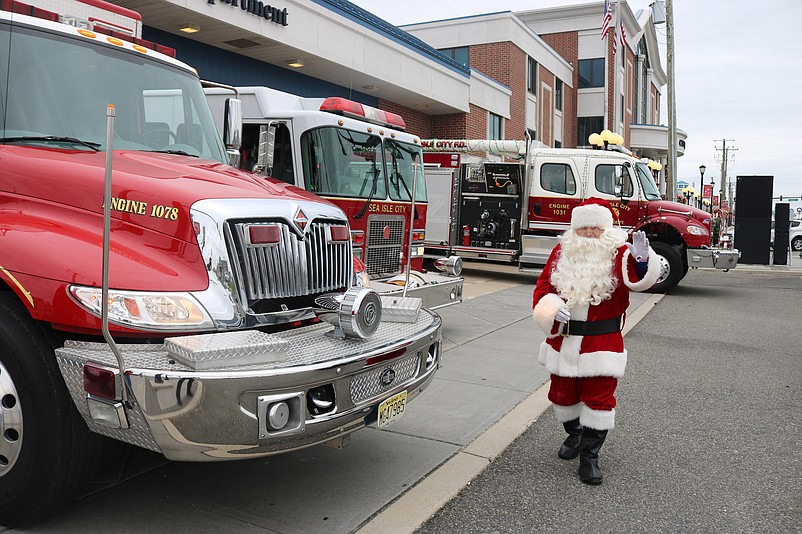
column 21, row 8
column 349, row 108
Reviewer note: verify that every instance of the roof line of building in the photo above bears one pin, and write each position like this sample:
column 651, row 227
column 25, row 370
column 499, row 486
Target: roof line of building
column 372, row 22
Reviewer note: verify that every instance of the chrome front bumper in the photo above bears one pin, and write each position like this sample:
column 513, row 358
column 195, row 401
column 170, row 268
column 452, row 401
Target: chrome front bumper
column 221, row 414
column 713, row 258
column 439, row 290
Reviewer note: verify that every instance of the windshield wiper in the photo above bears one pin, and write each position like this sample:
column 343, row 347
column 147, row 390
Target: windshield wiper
column 376, row 173
column 53, row 139
column 177, row 152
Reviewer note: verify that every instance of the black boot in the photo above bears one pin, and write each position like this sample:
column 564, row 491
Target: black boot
column 570, row 447
column 589, row 446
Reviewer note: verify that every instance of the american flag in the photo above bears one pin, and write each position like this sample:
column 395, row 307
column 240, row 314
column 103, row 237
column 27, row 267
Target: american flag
column 623, row 35
column 608, row 17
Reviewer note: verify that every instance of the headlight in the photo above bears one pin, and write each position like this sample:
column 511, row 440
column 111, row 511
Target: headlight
column 696, row 230
column 147, row 311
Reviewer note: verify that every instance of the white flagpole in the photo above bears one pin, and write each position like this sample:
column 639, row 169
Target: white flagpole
column 616, row 97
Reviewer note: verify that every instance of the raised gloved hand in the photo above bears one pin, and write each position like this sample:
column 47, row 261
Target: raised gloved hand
column 563, row 315
column 639, row 248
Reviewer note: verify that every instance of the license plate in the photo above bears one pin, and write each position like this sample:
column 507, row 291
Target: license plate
column 391, row 410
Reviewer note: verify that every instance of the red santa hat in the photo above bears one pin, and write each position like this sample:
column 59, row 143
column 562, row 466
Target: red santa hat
column 592, row 213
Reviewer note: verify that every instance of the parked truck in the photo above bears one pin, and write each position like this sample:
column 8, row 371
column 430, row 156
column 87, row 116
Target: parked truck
column 152, row 293
column 361, row 159
column 509, row 201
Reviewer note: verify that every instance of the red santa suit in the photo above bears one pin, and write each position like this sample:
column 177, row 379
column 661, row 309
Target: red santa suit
column 585, row 368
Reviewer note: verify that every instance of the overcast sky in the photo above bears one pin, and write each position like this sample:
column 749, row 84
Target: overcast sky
column 738, row 76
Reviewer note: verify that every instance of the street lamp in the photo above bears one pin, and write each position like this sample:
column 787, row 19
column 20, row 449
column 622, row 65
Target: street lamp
column 702, row 170
column 712, row 188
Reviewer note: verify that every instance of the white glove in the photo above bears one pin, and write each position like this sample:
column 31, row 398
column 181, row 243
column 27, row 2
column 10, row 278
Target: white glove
column 563, row 315
column 639, row 248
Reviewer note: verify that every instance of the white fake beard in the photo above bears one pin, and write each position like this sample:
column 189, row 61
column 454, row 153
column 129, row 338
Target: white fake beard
column 584, row 272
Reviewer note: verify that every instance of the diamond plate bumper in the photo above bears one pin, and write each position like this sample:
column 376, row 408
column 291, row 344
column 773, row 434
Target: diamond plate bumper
column 439, row 291
column 206, row 415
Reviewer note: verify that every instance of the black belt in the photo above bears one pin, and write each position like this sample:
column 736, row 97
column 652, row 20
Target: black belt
column 593, row 328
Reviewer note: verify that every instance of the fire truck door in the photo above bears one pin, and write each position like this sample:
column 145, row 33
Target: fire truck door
column 614, row 182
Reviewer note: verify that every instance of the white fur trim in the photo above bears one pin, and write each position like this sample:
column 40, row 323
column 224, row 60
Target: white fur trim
column 591, row 216
column 546, row 310
column 597, row 419
column 567, row 413
column 651, row 276
column 569, row 362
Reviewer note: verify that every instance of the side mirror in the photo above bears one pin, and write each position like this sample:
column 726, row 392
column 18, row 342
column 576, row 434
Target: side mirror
column 232, row 124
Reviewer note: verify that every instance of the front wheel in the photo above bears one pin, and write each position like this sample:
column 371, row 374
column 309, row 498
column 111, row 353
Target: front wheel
column 46, row 451
column 671, row 268
column 796, row 244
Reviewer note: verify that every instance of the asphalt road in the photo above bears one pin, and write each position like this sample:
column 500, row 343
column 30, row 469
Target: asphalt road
column 708, row 427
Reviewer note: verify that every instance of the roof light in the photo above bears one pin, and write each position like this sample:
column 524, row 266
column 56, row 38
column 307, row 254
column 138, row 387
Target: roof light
column 350, row 108
column 336, row 104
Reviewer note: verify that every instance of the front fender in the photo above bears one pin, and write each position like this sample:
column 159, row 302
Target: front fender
column 44, row 247
column 673, row 230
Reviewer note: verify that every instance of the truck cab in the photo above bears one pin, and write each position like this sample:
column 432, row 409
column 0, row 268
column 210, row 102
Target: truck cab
column 152, row 293
column 361, row 159
column 511, row 201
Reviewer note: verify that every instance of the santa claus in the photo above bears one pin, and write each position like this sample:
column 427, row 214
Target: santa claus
column 580, row 301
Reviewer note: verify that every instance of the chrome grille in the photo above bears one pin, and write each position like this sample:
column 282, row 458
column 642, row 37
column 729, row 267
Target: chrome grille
column 383, row 255
column 295, row 266
column 368, row 384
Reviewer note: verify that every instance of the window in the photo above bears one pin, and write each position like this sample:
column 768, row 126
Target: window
column 558, row 95
column 531, row 76
column 587, row 126
column 591, row 73
column 494, row 126
column 460, row 54
column 158, row 107
column 558, row 178
column 345, row 163
column 404, row 166
column 613, row 180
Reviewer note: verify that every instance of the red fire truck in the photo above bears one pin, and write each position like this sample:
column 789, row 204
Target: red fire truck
column 153, row 294
column 483, row 206
column 361, row 159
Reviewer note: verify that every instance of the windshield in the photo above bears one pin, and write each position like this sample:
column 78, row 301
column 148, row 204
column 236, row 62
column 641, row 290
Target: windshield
column 54, row 91
column 647, row 182
column 345, row 163
column 404, row 162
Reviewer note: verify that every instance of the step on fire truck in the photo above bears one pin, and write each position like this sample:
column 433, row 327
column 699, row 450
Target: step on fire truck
column 153, row 294
column 361, row 159
column 483, row 206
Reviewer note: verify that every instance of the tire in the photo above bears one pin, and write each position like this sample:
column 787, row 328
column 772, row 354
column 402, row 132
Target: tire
column 671, row 268
column 46, row 451
column 796, row 244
